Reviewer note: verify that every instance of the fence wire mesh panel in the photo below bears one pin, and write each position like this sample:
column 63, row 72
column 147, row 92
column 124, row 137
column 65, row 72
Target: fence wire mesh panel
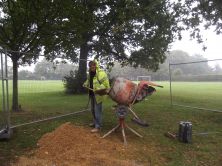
column 4, row 111
column 197, row 84
column 41, row 93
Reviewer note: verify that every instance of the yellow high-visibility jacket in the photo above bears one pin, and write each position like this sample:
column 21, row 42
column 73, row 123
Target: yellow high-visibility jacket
column 100, row 81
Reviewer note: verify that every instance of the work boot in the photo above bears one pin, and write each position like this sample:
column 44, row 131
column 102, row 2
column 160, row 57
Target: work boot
column 95, row 130
column 91, row 125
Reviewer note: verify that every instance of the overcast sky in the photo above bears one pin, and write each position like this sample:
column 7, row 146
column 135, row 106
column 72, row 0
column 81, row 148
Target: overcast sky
column 212, row 41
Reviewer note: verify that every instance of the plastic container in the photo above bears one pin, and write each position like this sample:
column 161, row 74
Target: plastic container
column 123, row 91
column 185, row 132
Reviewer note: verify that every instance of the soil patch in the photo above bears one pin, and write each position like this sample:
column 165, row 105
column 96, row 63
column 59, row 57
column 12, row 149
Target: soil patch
column 71, row 145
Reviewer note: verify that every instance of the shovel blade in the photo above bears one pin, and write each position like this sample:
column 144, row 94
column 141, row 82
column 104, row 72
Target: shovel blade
column 140, row 122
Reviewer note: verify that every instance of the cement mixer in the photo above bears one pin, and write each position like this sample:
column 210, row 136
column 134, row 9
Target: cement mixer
column 127, row 93
column 123, row 91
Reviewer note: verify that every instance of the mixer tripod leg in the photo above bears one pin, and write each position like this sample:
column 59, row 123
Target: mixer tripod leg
column 134, row 131
column 124, row 136
column 111, row 131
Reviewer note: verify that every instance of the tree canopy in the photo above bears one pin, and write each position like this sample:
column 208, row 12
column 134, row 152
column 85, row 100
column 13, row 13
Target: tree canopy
column 21, row 26
column 209, row 11
column 127, row 31
column 195, row 14
column 135, row 32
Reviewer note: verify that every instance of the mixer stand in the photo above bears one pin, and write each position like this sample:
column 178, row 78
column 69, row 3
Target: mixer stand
column 122, row 125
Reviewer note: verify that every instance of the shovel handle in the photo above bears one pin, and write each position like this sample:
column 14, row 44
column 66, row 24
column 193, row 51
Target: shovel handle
column 133, row 113
column 89, row 88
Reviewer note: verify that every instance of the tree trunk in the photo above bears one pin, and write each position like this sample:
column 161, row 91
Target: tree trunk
column 15, row 106
column 84, row 49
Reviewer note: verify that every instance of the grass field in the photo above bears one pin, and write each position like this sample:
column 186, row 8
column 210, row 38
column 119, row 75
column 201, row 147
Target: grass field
column 198, row 94
column 41, row 99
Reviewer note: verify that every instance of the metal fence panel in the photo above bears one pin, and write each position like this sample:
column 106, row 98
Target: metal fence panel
column 200, row 91
column 39, row 99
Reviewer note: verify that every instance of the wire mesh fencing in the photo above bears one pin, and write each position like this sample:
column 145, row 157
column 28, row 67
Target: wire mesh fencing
column 5, row 131
column 41, row 94
column 196, row 86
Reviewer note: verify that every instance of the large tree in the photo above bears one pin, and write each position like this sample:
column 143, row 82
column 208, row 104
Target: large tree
column 21, row 26
column 135, row 32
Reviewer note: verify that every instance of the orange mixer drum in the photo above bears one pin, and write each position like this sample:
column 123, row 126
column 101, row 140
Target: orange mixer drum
column 123, row 91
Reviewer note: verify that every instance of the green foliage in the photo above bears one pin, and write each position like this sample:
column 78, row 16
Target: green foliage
column 20, row 28
column 22, row 25
column 52, row 70
column 193, row 14
column 176, row 56
column 25, row 75
column 210, row 10
column 108, row 29
column 72, row 83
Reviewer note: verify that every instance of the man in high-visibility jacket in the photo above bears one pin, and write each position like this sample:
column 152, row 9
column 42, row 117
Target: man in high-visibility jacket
column 96, row 80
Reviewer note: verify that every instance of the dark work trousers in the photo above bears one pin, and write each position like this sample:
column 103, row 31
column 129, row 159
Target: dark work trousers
column 92, row 100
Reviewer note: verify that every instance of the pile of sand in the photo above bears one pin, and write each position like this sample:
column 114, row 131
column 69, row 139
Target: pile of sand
column 71, row 145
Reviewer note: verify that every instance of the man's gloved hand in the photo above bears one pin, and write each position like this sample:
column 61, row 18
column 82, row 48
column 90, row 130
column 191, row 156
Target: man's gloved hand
column 89, row 88
column 102, row 92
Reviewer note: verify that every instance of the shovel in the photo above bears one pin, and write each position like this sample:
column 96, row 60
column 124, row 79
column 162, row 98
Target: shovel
column 137, row 120
column 99, row 91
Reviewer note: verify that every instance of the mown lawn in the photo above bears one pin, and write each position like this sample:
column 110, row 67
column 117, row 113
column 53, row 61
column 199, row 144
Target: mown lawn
column 42, row 100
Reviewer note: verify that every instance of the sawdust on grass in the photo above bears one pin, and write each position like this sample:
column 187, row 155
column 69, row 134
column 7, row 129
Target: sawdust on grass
column 71, row 145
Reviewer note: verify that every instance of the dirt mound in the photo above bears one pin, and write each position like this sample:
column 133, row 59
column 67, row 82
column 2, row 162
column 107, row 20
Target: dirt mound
column 71, row 145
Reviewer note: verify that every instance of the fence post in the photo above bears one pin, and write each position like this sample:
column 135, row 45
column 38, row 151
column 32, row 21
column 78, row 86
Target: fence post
column 171, row 97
